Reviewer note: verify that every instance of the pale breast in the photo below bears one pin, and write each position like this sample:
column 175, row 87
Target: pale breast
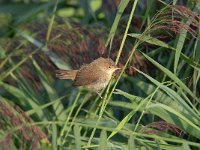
column 99, row 84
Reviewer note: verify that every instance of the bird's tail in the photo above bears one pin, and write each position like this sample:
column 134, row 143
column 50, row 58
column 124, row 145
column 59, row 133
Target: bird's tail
column 66, row 74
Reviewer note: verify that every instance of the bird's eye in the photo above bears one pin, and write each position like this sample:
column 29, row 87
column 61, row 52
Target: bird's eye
column 109, row 67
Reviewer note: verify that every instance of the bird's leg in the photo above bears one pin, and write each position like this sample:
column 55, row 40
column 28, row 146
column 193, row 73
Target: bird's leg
column 99, row 95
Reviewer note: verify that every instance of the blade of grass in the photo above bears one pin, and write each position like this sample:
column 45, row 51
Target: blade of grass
column 7, row 73
column 154, row 41
column 76, row 114
column 185, row 146
column 165, row 112
column 174, row 78
column 120, row 11
column 51, row 23
column 181, row 39
column 32, row 12
column 138, row 134
column 103, row 140
column 179, row 47
column 143, row 111
column 126, row 119
column 54, row 58
column 149, row 5
column 51, row 93
column 131, row 142
column 21, row 99
column 61, row 139
column 119, row 53
column 182, row 122
column 77, row 137
column 54, row 136
column 32, row 111
column 176, row 97
column 82, row 123
column 126, row 31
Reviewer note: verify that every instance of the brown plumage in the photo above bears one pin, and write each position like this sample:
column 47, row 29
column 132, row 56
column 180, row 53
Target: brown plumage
column 66, row 74
column 94, row 76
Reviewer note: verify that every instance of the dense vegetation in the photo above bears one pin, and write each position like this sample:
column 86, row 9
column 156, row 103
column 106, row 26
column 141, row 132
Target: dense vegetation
column 151, row 103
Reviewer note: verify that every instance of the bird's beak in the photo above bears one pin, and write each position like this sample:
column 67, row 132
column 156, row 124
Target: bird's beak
column 117, row 68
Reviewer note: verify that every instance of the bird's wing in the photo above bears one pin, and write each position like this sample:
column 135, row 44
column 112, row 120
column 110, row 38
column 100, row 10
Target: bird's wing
column 85, row 76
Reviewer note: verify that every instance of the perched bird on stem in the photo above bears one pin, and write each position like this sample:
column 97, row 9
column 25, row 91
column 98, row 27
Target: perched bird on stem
column 94, row 76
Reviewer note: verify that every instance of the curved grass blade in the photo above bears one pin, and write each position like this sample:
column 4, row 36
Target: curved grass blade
column 165, row 112
column 174, row 78
column 113, row 29
column 126, row 119
column 21, row 99
column 32, row 111
column 174, row 117
column 7, row 73
column 154, row 41
column 51, row 93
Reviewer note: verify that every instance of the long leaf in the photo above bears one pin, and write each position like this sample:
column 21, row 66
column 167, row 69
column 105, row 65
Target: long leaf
column 126, row 119
column 168, row 114
column 173, row 77
column 21, row 99
column 52, row 95
column 155, row 41
column 120, row 11
column 77, row 137
column 103, row 140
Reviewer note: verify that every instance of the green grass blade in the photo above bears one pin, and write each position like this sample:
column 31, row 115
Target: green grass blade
column 54, row 58
column 7, row 73
column 131, row 142
column 149, row 39
column 177, row 98
column 179, row 47
column 185, row 146
column 32, row 12
column 54, row 136
column 126, row 119
column 32, row 111
column 154, row 41
column 51, row 93
column 110, row 126
column 51, row 23
column 65, row 128
column 77, row 137
column 165, row 112
column 120, row 11
column 182, row 38
column 103, row 140
column 172, row 116
column 173, row 77
column 126, row 31
column 21, row 99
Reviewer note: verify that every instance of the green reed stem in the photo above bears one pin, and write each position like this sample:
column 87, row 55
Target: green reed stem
column 106, row 97
column 61, row 139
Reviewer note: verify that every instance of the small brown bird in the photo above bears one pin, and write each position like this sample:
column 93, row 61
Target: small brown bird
column 94, row 76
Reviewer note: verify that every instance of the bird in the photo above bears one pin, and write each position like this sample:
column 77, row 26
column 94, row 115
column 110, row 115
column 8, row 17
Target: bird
column 93, row 76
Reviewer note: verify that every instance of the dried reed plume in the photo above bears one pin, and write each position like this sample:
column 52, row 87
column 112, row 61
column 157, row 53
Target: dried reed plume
column 26, row 136
column 176, row 18
column 163, row 126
